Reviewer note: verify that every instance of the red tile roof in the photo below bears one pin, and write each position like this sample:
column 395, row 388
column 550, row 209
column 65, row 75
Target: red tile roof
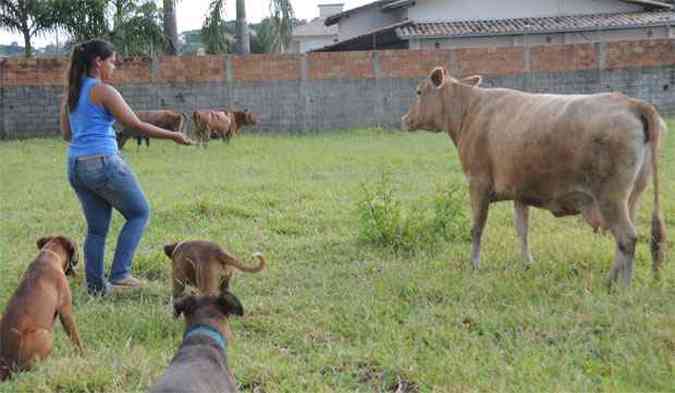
column 536, row 25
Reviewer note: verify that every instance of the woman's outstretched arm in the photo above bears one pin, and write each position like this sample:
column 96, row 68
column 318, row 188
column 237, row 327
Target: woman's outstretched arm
column 112, row 100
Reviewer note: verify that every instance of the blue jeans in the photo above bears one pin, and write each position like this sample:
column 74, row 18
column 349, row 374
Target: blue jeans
column 101, row 183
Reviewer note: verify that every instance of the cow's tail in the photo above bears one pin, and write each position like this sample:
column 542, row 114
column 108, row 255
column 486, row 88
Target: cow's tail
column 198, row 131
column 184, row 120
column 656, row 128
column 233, row 261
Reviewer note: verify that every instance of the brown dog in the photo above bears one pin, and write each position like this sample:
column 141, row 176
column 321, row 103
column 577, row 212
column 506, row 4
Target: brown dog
column 204, row 265
column 200, row 365
column 26, row 327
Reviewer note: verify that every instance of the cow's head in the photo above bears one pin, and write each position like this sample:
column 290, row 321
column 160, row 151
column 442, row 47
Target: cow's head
column 250, row 118
column 245, row 118
column 433, row 104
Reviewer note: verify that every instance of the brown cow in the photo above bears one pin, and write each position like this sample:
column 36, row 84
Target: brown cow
column 237, row 120
column 209, row 123
column 220, row 124
column 168, row 119
column 569, row 154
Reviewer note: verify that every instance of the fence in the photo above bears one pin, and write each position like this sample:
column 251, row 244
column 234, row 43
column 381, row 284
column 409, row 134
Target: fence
column 338, row 90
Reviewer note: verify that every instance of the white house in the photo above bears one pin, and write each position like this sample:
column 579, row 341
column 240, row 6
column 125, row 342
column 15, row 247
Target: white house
column 316, row 34
column 415, row 24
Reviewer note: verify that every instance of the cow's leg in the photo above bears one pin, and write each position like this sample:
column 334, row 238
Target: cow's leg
column 479, row 205
column 139, row 142
column 617, row 217
column 521, row 215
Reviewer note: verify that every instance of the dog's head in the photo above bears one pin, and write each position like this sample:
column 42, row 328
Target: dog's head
column 208, row 310
column 69, row 245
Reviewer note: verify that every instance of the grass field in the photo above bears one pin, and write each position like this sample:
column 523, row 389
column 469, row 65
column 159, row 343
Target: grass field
column 333, row 313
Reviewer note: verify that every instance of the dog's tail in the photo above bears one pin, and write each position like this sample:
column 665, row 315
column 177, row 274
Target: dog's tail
column 233, row 261
column 6, row 367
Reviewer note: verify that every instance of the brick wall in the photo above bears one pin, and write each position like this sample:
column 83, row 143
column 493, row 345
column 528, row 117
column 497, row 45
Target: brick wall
column 338, row 90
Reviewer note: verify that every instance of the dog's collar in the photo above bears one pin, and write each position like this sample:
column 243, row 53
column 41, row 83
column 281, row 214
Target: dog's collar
column 58, row 257
column 69, row 267
column 206, row 330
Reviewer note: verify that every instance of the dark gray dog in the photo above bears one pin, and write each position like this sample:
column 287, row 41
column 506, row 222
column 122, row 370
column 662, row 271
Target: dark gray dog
column 200, row 365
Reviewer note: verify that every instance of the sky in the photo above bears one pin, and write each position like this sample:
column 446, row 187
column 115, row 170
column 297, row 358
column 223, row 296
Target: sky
column 190, row 15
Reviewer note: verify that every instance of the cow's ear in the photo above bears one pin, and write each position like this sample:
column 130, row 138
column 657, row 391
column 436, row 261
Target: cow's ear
column 42, row 241
column 473, row 80
column 438, row 77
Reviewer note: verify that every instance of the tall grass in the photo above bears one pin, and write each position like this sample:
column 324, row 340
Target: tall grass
column 335, row 313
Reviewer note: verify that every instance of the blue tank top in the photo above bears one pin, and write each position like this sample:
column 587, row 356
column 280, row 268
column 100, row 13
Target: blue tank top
column 91, row 126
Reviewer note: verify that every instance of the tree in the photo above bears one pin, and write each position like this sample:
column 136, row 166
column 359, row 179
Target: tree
column 137, row 31
column 282, row 22
column 243, row 42
column 85, row 19
column 28, row 17
column 213, row 30
column 170, row 27
column 133, row 26
column 263, row 40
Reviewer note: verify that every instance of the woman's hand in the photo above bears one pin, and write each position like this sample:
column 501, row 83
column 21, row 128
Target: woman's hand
column 182, row 139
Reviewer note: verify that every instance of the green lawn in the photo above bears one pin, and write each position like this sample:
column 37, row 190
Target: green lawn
column 332, row 313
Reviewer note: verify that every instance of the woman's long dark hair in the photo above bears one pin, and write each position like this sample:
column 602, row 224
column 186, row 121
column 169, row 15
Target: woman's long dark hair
column 81, row 59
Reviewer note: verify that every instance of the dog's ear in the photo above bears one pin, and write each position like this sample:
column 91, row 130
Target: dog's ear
column 168, row 249
column 230, row 305
column 184, row 305
column 71, row 247
column 42, row 241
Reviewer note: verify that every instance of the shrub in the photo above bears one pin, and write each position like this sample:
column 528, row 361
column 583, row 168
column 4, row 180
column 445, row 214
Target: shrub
column 380, row 214
column 384, row 221
column 450, row 217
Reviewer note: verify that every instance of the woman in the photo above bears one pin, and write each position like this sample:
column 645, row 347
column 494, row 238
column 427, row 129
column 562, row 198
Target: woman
column 100, row 177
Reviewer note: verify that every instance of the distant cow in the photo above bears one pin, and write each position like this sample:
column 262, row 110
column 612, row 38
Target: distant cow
column 569, row 154
column 220, row 124
column 238, row 120
column 209, row 123
column 167, row 119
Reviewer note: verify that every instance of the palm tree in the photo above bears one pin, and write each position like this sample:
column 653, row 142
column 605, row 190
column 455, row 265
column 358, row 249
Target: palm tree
column 27, row 17
column 137, row 30
column 243, row 41
column 282, row 20
column 170, row 27
column 213, row 30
